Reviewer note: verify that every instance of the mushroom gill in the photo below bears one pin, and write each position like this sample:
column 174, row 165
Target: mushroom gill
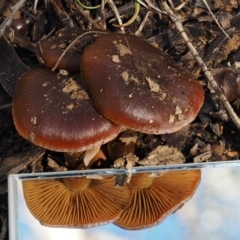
column 155, row 198
column 76, row 202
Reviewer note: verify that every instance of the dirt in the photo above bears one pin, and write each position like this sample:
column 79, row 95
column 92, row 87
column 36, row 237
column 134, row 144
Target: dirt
column 211, row 137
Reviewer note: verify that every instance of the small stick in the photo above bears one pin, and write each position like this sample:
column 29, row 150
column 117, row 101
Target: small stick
column 87, row 17
column 35, row 5
column 143, row 4
column 121, row 9
column 152, row 6
column 7, row 105
column 62, row 14
column 103, row 16
column 115, row 10
column 179, row 7
column 206, row 4
column 142, row 24
column 205, row 70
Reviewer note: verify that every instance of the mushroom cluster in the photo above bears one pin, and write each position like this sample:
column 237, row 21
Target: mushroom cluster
column 83, row 202
column 124, row 83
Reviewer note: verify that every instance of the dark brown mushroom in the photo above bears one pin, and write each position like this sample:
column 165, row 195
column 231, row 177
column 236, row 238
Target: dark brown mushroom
column 54, row 111
column 22, row 25
column 156, row 197
column 139, row 86
column 76, row 202
column 49, row 50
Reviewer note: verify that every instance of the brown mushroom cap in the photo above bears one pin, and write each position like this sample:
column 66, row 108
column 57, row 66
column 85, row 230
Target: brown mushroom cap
column 156, row 198
column 138, row 86
column 50, row 49
column 75, row 202
column 54, row 111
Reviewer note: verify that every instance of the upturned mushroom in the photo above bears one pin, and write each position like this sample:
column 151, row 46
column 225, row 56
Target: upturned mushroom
column 139, row 86
column 76, row 202
column 156, row 197
column 54, row 111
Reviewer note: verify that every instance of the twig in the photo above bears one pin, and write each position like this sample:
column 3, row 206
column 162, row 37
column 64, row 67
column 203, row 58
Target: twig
column 7, row 105
column 179, row 7
column 72, row 44
column 152, row 6
column 124, row 8
column 205, row 70
column 115, row 10
column 103, row 16
column 87, row 16
column 143, row 4
column 142, row 24
column 35, row 5
column 206, row 4
column 62, row 14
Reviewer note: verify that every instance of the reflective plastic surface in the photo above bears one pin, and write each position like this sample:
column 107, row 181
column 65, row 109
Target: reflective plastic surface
column 212, row 212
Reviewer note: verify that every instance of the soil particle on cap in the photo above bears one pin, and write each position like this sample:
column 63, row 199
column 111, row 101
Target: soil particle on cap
column 63, row 72
column 115, row 59
column 171, row 118
column 181, row 117
column 74, row 90
column 53, row 46
column 45, row 84
column 125, row 77
column 123, row 50
column 154, row 87
column 31, row 137
column 70, row 107
column 127, row 80
column 33, row 120
column 178, row 110
column 70, row 86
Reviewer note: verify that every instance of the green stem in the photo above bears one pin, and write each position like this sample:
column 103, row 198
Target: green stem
column 133, row 18
column 87, row 7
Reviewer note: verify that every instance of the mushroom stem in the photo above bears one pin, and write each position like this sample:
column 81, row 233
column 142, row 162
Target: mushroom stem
column 73, row 159
column 90, row 154
column 76, row 184
column 141, row 180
